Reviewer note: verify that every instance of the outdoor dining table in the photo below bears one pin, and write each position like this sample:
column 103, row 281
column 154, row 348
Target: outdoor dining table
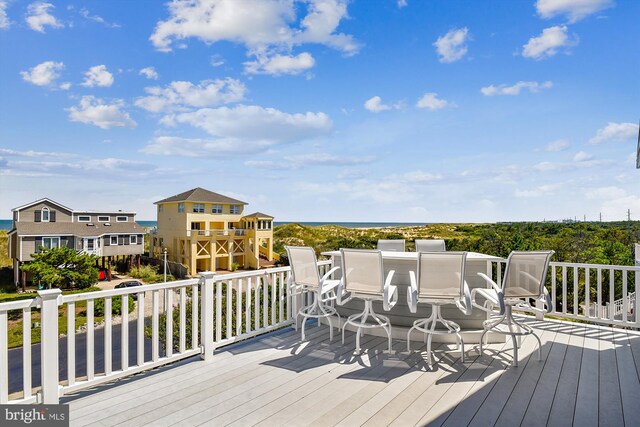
column 401, row 317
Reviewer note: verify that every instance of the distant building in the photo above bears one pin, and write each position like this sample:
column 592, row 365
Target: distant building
column 48, row 224
column 207, row 231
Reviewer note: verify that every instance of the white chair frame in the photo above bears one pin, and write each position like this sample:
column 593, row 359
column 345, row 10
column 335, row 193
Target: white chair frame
column 389, row 299
column 428, row 325
column 324, row 295
column 503, row 322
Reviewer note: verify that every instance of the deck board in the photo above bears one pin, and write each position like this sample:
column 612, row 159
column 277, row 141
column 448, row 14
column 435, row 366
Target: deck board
column 588, row 376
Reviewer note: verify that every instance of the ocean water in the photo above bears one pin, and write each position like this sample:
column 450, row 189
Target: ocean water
column 5, row 224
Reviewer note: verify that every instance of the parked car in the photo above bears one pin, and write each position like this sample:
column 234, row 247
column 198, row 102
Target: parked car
column 129, row 284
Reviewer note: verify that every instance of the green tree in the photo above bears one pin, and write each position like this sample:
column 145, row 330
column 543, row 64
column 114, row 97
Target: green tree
column 62, row 268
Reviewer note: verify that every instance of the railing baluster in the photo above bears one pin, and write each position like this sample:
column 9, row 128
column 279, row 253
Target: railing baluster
column 599, row 291
column 257, row 304
column 625, row 308
column 576, row 276
column 281, row 296
column 289, row 297
column 247, row 311
column 239, row 307
column 272, row 281
column 183, row 320
column 90, row 342
column 26, row 352
column 564, row 289
column 140, row 326
column 194, row 316
column 265, row 301
column 168, row 336
column 229, row 324
column 124, row 331
column 71, row 343
column 612, row 290
column 107, row 333
column 218, row 310
column 4, row 360
column 554, row 300
column 155, row 326
column 587, row 290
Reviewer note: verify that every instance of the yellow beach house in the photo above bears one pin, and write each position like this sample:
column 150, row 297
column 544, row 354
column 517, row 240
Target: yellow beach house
column 207, row 231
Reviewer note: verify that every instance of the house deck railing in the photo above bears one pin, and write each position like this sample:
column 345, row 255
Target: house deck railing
column 199, row 315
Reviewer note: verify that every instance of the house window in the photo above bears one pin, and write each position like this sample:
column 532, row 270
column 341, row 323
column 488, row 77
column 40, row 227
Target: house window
column 84, row 218
column 180, row 207
column 216, row 209
column 122, row 219
column 51, row 242
column 113, row 240
column 198, row 207
column 103, row 219
column 45, row 214
column 133, row 239
column 160, row 208
column 195, row 226
column 234, row 209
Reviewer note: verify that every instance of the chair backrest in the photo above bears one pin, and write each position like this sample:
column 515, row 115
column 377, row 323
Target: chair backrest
column 434, row 245
column 441, row 274
column 362, row 271
column 526, row 273
column 304, row 266
column 396, row 245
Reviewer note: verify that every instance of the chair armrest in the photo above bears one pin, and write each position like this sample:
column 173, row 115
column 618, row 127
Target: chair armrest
column 412, row 293
column 329, row 273
column 464, row 303
column 341, row 293
column 390, row 292
column 490, row 281
column 491, row 295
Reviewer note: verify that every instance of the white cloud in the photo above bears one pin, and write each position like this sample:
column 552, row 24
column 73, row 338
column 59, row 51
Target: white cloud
column 38, row 17
column 45, row 74
column 180, row 95
column 98, row 76
column 557, row 145
column 452, row 46
column 87, row 15
column 582, row 156
column 575, row 10
column 5, row 22
column 243, row 129
column 515, row 89
column 95, row 111
column 431, row 101
column 150, row 73
column 375, row 105
column 615, row 132
column 540, row 191
column 280, row 64
column 402, row 3
column 263, row 26
column 548, row 43
column 31, row 153
column 328, row 159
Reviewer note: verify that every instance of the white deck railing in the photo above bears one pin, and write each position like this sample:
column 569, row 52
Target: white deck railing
column 199, row 315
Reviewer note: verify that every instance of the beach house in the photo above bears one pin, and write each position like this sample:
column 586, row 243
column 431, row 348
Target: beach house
column 207, row 231
column 110, row 235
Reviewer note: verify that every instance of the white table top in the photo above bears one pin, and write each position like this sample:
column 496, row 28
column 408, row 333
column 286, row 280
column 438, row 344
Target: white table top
column 392, row 255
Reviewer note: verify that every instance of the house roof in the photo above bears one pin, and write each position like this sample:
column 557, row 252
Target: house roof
column 76, row 228
column 258, row 215
column 19, row 208
column 201, row 195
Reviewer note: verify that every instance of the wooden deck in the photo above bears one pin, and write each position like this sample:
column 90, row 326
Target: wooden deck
column 588, row 376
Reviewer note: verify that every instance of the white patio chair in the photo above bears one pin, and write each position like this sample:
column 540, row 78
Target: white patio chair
column 305, row 276
column 433, row 245
column 440, row 281
column 395, row 245
column 363, row 278
column 523, row 280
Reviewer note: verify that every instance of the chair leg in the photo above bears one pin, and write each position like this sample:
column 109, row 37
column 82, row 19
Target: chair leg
column 482, row 338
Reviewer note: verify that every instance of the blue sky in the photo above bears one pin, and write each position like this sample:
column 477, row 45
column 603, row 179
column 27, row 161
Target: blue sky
column 325, row 110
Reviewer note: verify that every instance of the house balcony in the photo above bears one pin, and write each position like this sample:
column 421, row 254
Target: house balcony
column 230, row 232
column 236, row 358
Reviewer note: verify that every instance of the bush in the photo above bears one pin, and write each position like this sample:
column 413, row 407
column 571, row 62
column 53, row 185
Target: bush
column 149, row 274
column 116, row 306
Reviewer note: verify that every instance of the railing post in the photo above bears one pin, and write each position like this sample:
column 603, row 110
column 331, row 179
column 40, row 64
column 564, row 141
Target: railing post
column 637, row 286
column 49, row 346
column 207, row 279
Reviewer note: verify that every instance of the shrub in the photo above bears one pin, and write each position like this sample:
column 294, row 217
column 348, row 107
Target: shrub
column 149, row 274
column 116, row 306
